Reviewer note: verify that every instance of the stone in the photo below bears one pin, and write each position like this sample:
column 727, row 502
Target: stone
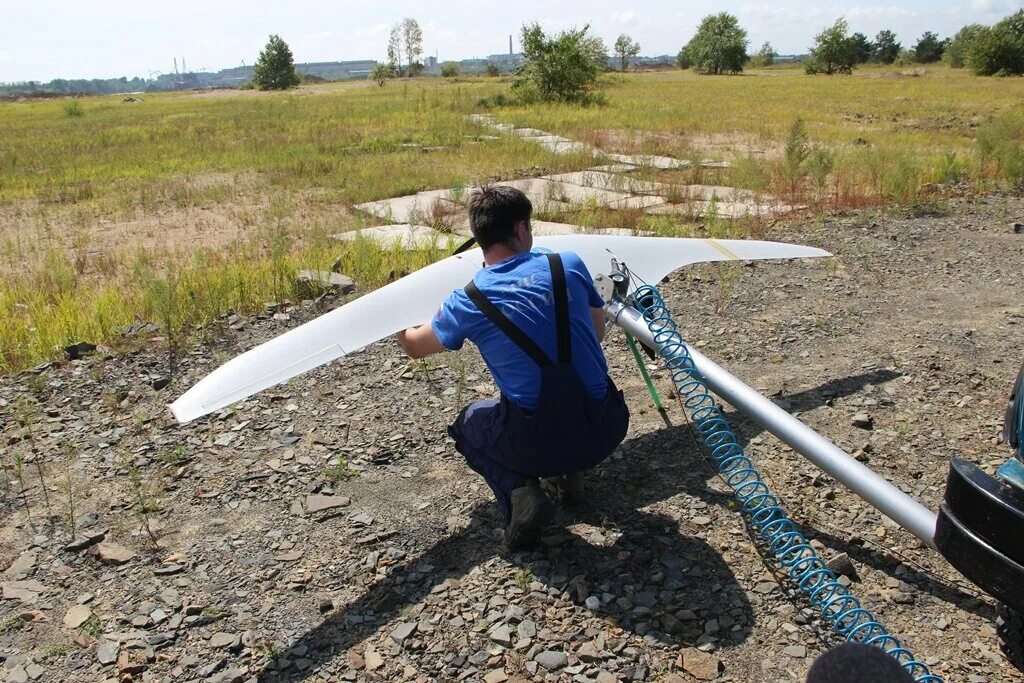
column 373, row 660
column 313, row 282
column 222, row 639
column 527, row 629
column 495, row 676
column 160, row 383
column 26, row 591
column 107, row 652
column 22, row 565
column 863, row 421
column 843, row 566
column 112, row 553
column 17, row 675
column 765, row 587
column 701, row 665
column 85, row 540
column 795, row 651
column 318, row 503
column 1017, row 228
column 34, row 671
column 589, row 652
column 593, row 603
column 403, row 631
column 552, row 660
column 77, row 615
column 502, row 635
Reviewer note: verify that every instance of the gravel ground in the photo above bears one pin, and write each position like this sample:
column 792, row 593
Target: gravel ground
column 327, row 531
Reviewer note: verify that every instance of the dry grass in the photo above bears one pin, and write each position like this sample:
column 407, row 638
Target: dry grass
column 193, row 204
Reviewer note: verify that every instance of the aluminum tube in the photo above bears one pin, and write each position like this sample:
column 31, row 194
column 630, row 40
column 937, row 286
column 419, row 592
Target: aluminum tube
column 879, row 493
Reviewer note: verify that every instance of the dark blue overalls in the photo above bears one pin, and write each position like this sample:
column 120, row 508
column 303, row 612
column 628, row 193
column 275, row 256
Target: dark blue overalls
column 569, row 431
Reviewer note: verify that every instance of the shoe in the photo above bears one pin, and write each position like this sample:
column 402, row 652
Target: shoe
column 567, row 488
column 532, row 511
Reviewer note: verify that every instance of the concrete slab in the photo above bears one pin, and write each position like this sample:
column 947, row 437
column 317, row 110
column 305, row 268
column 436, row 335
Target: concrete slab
column 652, row 160
column 405, row 235
column 614, row 168
column 719, row 192
column 542, row 189
column 418, row 208
column 663, row 162
column 644, row 201
column 530, row 133
column 610, row 181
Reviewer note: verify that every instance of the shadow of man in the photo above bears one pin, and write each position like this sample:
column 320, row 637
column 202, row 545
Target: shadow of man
column 648, row 571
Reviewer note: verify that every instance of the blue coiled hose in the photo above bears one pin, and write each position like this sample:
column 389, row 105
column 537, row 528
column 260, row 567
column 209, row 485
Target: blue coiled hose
column 801, row 563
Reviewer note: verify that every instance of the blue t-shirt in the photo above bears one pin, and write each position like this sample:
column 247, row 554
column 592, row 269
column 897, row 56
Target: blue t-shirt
column 520, row 287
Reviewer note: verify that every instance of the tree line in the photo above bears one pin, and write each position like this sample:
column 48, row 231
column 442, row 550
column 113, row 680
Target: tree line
column 76, row 86
column 720, row 47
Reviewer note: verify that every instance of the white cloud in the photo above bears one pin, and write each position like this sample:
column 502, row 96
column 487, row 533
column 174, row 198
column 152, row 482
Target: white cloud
column 622, row 18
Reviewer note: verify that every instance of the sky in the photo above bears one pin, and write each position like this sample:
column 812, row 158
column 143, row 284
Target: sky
column 45, row 39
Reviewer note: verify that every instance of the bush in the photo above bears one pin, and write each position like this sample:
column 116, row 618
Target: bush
column 999, row 50
column 764, row 57
column 834, row 52
column 956, row 52
column 929, row 48
column 72, row 109
column 886, row 47
column 906, row 58
column 683, row 59
column 1001, row 145
column 560, row 69
column 450, row 69
column 719, row 46
column 275, row 68
column 381, row 72
column 492, row 69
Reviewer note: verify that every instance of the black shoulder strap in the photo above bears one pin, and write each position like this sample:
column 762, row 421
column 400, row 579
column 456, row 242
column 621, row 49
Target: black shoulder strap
column 560, row 290
column 519, row 337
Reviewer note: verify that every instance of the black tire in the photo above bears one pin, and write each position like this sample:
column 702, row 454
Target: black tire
column 1010, row 627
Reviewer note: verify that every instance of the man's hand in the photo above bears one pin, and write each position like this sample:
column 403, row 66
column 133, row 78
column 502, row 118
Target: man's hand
column 419, row 342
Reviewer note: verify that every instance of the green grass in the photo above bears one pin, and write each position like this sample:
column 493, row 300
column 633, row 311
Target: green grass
column 188, row 205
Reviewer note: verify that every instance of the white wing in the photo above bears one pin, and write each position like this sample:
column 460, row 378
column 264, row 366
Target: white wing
column 416, row 297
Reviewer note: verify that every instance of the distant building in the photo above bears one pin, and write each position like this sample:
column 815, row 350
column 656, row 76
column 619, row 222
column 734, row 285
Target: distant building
column 430, row 63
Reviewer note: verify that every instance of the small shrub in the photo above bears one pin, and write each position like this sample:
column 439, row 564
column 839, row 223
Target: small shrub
column 1001, row 146
column 564, row 68
column 798, row 148
column 73, row 109
column 492, row 70
column 450, row 69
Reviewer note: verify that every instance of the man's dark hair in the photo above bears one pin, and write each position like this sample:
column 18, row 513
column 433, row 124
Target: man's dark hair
column 857, row 663
column 494, row 211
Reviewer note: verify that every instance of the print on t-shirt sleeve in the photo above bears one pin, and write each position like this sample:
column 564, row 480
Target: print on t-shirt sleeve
column 450, row 322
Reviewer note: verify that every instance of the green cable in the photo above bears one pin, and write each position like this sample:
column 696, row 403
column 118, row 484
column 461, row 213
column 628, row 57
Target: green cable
column 643, row 371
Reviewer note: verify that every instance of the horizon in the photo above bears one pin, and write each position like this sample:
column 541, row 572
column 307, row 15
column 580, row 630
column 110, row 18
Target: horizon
column 115, row 38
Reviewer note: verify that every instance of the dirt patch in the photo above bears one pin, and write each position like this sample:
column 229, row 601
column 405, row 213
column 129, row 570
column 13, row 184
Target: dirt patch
column 211, row 211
